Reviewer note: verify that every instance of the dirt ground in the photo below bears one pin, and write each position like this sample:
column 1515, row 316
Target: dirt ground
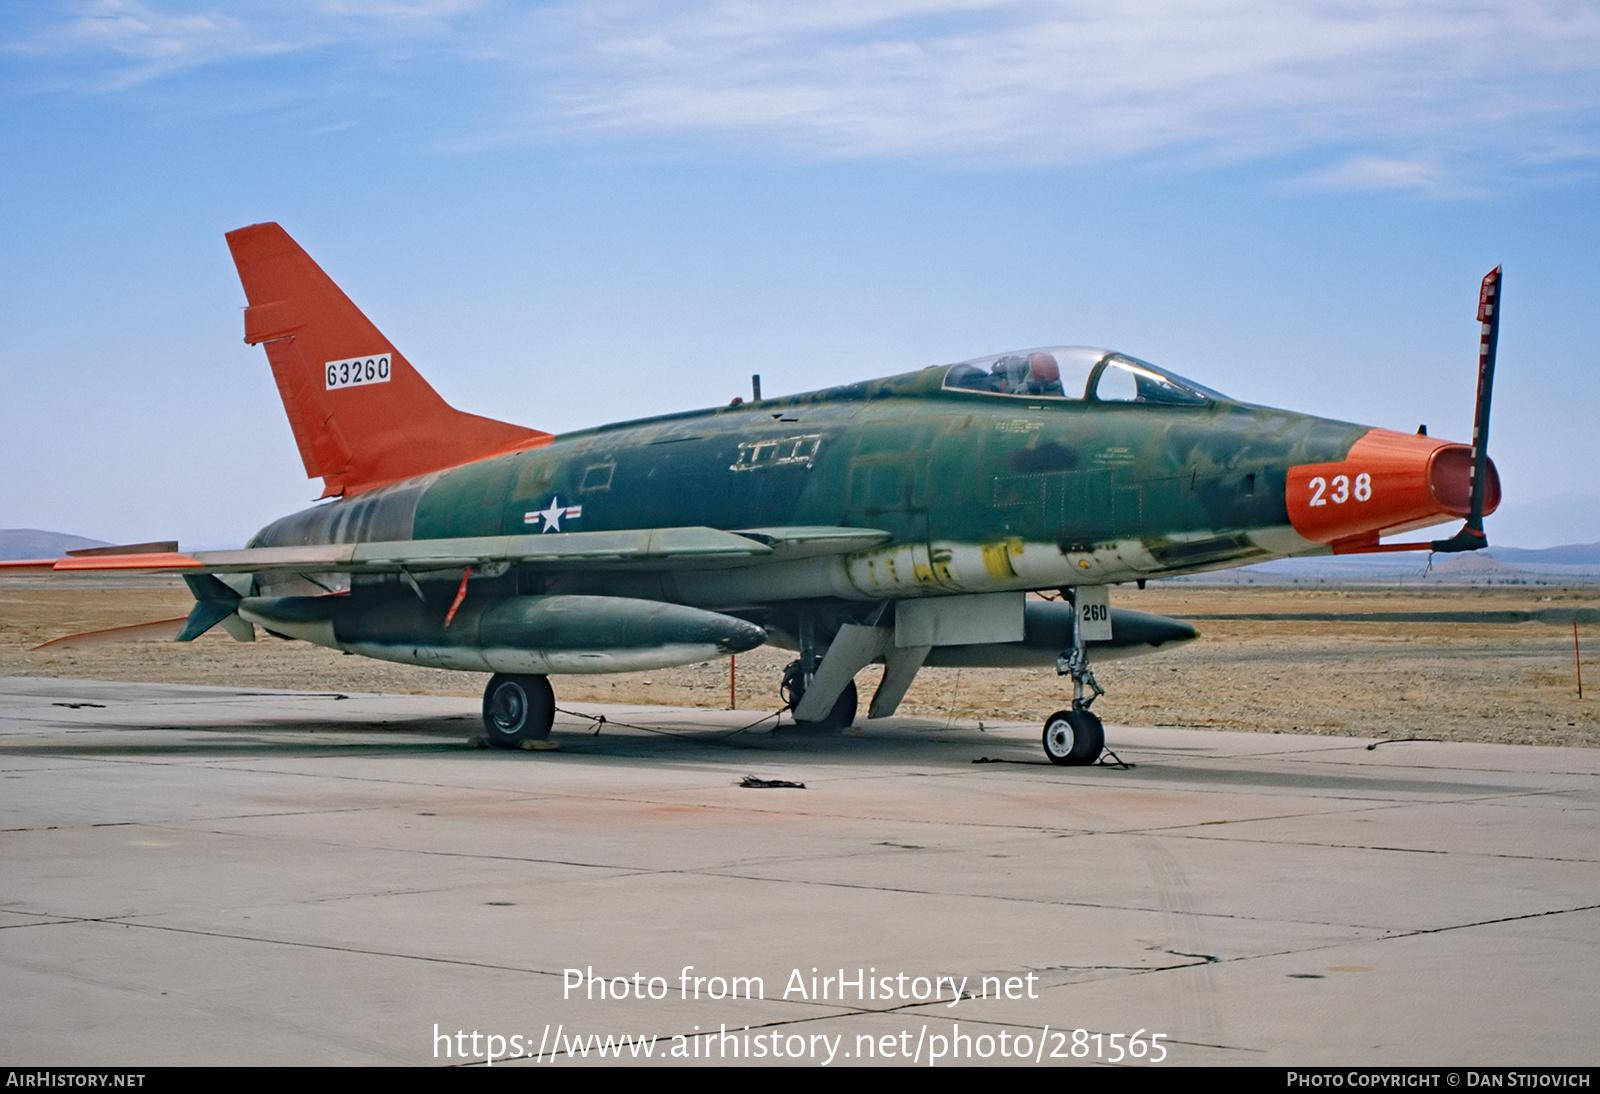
column 1494, row 682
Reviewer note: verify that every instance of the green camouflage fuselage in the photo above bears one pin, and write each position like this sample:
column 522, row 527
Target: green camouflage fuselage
column 978, row 492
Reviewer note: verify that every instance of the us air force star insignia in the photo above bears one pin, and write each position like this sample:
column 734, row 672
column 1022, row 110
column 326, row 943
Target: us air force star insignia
column 552, row 516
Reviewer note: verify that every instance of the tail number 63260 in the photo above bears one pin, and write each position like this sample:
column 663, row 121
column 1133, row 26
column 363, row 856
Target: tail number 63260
column 1340, row 491
column 358, row 370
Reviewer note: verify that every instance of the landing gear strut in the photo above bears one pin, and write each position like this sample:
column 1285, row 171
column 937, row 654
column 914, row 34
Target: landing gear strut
column 798, row 677
column 793, row 689
column 518, row 709
column 1073, row 738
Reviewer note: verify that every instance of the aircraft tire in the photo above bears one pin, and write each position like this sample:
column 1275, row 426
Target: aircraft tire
column 518, row 709
column 1073, row 738
column 842, row 714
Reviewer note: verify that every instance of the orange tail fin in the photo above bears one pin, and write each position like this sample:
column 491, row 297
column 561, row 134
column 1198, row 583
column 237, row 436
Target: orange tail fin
column 362, row 416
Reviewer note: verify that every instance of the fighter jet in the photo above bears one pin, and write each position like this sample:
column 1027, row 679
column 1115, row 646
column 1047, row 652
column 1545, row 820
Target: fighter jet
column 903, row 520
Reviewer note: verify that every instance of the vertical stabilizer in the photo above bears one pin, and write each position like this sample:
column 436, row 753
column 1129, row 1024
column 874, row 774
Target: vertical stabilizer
column 362, row 416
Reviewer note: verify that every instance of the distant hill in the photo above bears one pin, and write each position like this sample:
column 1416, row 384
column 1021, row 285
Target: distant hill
column 33, row 543
column 1474, row 564
column 1575, row 554
column 1497, row 565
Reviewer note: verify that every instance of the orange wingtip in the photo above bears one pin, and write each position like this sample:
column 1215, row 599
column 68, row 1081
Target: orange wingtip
column 155, row 560
column 40, row 564
column 152, row 560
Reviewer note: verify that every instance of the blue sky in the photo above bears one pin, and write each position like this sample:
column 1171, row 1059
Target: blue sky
column 570, row 213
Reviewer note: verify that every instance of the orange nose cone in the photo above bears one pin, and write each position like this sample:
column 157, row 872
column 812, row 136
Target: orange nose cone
column 1389, row 482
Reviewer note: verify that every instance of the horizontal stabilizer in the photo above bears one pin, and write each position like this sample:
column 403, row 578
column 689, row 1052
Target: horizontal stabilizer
column 160, row 630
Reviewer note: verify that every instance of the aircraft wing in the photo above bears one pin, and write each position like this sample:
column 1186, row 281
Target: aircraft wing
column 645, row 548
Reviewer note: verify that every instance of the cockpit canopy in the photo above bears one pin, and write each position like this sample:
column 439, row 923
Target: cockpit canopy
column 1075, row 372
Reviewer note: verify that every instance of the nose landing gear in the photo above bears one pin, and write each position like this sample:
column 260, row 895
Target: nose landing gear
column 1073, row 738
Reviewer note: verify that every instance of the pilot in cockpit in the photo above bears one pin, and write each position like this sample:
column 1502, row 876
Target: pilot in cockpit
column 1036, row 374
column 1033, row 373
column 1044, row 375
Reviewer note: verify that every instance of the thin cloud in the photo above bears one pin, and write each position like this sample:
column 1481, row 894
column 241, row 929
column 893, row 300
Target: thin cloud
column 1378, row 173
column 1050, row 83
column 143, row 44
column 117, row 45
column 1409, row 96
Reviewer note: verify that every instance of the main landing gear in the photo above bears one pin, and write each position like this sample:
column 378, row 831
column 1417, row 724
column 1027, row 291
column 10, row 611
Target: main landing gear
column 518, row 709
column 799, row 676
column 793, row 689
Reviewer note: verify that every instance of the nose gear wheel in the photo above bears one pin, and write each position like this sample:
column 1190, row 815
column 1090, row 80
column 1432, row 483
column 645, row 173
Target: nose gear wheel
column 1074, row 738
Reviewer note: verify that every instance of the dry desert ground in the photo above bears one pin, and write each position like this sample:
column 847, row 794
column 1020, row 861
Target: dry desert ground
column 1462, row 681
